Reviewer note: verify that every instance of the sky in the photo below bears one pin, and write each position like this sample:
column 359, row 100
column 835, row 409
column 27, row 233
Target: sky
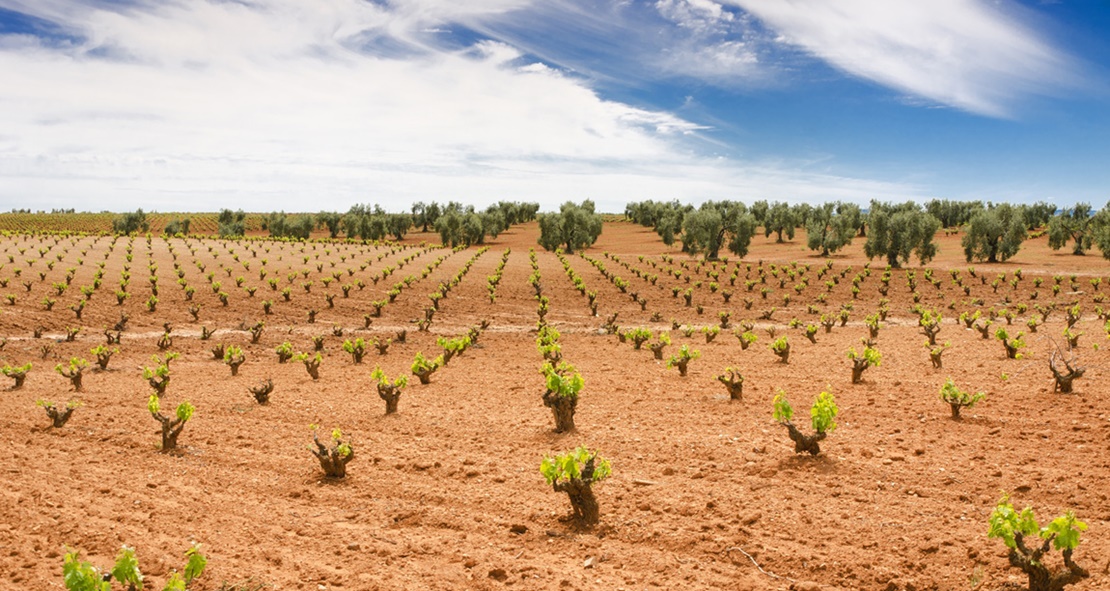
column 310, row 105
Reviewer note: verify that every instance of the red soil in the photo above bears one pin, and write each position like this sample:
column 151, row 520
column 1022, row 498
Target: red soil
column 898, row 499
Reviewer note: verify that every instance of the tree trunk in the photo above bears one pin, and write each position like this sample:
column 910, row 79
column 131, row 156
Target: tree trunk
column 582, row 501
column 1040, row 578
column 562, row 407
column 333, row 464
column 804, row 443
column 391, row 395
column 58, row 418
column 955, row 410
column 857, row 372
column 170, row 430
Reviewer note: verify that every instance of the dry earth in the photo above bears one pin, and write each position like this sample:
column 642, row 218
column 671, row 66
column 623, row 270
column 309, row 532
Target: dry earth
column 702, row 488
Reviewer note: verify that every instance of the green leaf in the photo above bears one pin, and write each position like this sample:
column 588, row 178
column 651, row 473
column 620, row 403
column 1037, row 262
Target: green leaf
column 783, row 411
column 185, row 411
column 175, row 583
column 823, row 412
column 195, row 563
column 126, row 570
column 1066, row 528
column 79, row 575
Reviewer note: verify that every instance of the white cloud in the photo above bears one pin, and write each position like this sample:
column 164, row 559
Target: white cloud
column 969, row 54
column 280, row 104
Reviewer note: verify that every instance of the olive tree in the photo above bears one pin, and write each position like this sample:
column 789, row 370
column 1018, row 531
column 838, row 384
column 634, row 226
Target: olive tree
column 953, row 213
column 574, row 227
column 231, row 223
column 1101, row 230
column 707, row 229
column 898, row 231
column 331, row 220
column 994, row 234
column 832, row 226
column 129, row 223
column 281, row 225
column 665, row 218
column 1072, row 224
column 780, row 219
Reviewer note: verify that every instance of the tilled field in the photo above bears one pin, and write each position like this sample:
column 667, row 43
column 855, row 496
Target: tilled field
column 446, row 494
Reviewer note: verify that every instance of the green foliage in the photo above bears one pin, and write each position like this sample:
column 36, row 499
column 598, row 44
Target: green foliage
column 952, row 394
column 454, row 346
column 780, row 345
column 379, row 376
column 177, row 226
column 1006, row 523
column 1100, row 231
column 953, row 213
column 1066, row 528
column 562, row 380
column 130, row 223
column 75, row 366
column 898, row 231
column 79, row 575
column 231, row 223
column 994, row 234
column 184, row 410
column 343, row 449
column 832, row 226
column 1075, row 225
column 638, row 336
column 162, row 366
column 574, row 227
column 356, row 348
column 781, row 219
column 568, row 466
column 233, row 355
column 421, row 364
column 1012, row 345
column 870, row 356
column 126, row 569
column 684, row 356
column 297, row 227
column 715, row 222
column 783, row 412
column 823, row 412
column 284, row 351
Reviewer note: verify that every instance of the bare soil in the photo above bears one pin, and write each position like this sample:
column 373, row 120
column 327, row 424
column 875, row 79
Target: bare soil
column 447, row 494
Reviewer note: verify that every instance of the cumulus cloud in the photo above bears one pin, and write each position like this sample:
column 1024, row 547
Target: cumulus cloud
column 281, row 104
column 969, row 54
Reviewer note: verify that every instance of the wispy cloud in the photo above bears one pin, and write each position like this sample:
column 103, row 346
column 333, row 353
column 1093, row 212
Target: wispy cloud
column 974, row 55
column 274, row 104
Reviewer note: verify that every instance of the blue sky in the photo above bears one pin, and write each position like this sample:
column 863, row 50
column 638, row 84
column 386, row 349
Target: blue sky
column 309, row 105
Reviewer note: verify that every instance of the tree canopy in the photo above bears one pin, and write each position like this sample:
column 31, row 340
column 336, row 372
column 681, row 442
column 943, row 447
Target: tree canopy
column 898, row 231
column 994, row 234
column 1072, row 225
column 831, row 226
column 707, row 229
column 574, row 227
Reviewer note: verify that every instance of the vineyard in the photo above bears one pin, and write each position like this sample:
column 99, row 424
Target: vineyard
column 95, row 223
column 214, row 391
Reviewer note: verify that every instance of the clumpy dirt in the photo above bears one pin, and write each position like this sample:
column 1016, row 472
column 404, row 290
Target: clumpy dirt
column 447, row 494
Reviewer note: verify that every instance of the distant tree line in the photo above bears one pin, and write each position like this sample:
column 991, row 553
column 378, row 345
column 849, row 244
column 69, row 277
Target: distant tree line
column 456, row 224
column 895, row 232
